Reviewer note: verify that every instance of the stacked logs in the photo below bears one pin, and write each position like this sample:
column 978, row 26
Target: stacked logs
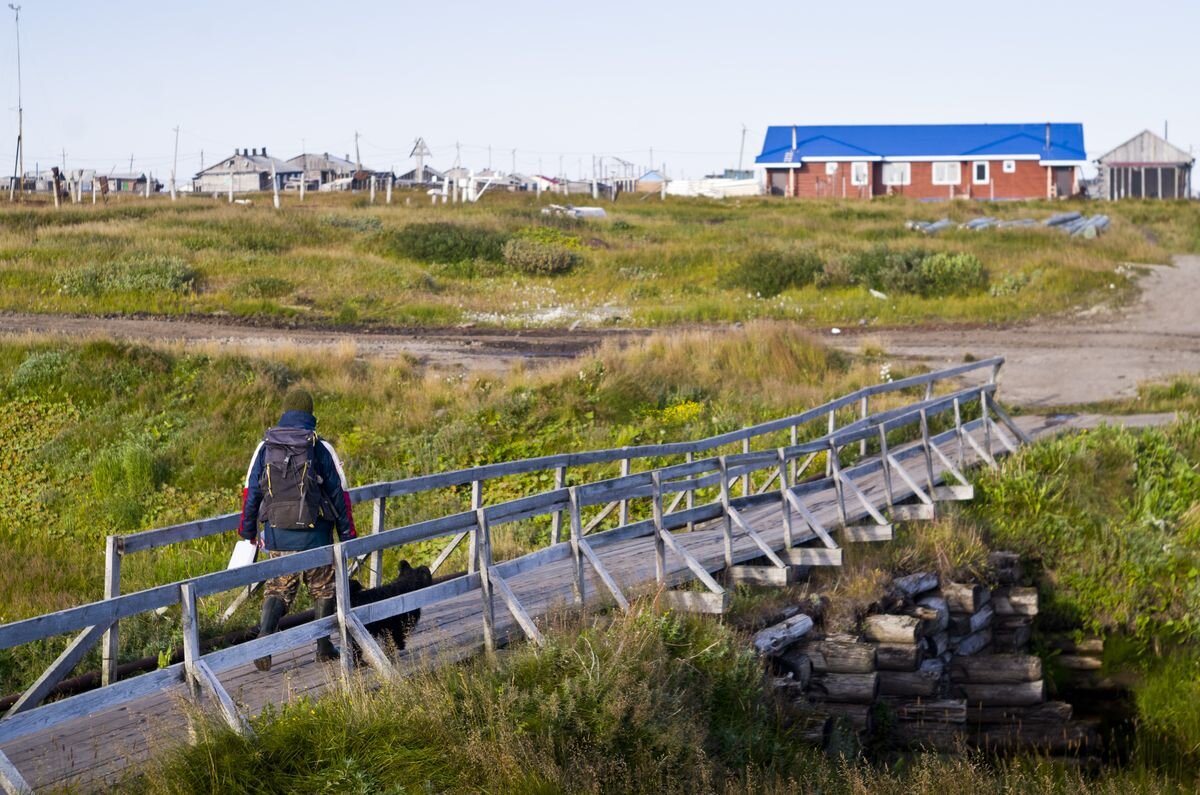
column 947, row 660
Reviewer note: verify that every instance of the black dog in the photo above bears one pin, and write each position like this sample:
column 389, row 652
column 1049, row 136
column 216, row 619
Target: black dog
column 398, row 626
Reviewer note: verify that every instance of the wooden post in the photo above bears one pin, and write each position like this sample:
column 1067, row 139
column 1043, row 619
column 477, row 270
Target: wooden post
column 795, row 462
column 576, row 547
column 690, row 499
column 231, row 183
column 274, row 186
column 832, row 428
column 149, row 179
column 372, row 189
column 726, row 519
column 660, row 549
column 303, row 183
column 94, row 181
column 391, row 180
column 987, row 427
column 746, row 477
column 958, row 435
column 862, row 445
column 783, row 502
column 341, row 583
column 375, row 562
column 484, row 565
column 887, row 465
column 838, row 487
column 560, row 480
column 111, row 645
column 623, row 510
column 473, row 538
column 927, row 446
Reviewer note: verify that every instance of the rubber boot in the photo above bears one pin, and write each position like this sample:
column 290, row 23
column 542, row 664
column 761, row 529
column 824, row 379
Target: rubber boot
column 325, row 650
column 273, row 609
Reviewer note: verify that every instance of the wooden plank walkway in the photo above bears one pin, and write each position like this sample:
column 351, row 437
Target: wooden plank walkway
column 100, row 747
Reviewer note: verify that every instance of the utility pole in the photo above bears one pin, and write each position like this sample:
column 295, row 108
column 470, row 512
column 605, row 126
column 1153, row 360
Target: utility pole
column 131, row 165
column 175, row 162
column 20, row 110
column 514, row 162
column 357, row 156
column 742, row 151
column 489, row 157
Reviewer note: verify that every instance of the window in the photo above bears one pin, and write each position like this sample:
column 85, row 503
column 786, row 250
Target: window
column 947, row 173
column 831, row 168
column 897, row 173
column 1010, row 166
column 980, row 172
column 859, row 173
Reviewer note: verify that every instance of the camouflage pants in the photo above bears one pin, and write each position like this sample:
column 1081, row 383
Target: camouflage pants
column 319, row 582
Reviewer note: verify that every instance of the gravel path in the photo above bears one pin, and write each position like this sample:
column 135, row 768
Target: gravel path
column 1077, row 360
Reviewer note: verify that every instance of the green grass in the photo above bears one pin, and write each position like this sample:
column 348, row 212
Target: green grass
column 639, row 703
column 331, row 261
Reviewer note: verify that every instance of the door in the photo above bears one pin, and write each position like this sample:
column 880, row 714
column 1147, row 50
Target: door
column 1064, row 181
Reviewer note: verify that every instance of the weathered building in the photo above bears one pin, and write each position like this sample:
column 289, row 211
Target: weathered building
column 924, row 161
column 320, row 169
column 246, row 171
column 1145, row 167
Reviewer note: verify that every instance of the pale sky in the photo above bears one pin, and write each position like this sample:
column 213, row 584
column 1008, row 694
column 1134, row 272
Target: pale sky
column 104, row 80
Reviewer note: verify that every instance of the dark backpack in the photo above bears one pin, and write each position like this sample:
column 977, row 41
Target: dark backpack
column 292, row 496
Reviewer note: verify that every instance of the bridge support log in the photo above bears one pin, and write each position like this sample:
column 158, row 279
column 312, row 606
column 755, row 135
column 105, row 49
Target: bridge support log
column 199, row 676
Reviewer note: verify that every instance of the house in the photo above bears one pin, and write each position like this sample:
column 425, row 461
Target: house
column 650, row 182
column 130, row 183
column 1145, row 167
column 924, row 161
column 320, row 169
column 245, row 171
column 428, row 176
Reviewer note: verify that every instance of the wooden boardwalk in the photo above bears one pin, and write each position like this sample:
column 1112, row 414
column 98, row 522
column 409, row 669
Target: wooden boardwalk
column 99, row 745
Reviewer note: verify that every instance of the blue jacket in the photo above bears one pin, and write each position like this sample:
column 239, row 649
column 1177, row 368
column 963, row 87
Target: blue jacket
column 333, row 484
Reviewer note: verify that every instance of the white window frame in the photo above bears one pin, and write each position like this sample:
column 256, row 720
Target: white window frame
column 905, row 171
column 987, row 172
column 831, row 168
column 1009, row 167
column 860, row 173
column 957, row 178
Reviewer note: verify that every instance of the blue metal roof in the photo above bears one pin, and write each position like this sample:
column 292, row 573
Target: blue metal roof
column 898, row 141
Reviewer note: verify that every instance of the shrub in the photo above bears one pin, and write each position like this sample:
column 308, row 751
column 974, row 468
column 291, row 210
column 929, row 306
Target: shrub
column 768, row 272
column 539, row 259
column 446, row 243
column 144, row 274
column 40, row 369
column 359, row 223
column 951, row 274
column 267, row 287
column 549, row 236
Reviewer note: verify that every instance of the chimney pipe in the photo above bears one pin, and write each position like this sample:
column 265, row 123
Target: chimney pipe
column 264, row 151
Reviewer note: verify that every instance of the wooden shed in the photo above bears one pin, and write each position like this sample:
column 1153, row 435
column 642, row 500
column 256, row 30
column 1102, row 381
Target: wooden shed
column 1146, row 167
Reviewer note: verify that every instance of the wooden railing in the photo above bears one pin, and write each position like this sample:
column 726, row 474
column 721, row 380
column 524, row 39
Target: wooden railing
column 780, row 466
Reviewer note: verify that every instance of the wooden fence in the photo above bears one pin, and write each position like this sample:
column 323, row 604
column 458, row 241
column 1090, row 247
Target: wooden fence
column 670, row 489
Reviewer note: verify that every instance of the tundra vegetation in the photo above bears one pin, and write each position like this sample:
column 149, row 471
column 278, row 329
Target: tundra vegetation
column 335, row 260
column 100, row 437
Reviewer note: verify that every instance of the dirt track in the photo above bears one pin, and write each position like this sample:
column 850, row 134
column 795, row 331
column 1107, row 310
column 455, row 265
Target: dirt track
column 1050, row 362
column 450, row 348
column 1080, row 359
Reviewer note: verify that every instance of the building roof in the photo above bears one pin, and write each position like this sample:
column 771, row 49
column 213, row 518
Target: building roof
column 796, row 144
column 250, row 164
column 322, row 162
column 651, row 176
column 1146, row 148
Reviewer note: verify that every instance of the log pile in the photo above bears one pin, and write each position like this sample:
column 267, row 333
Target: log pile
column 946, row 662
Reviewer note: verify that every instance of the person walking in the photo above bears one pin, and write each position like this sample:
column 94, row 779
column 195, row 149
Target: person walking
column 296, row 490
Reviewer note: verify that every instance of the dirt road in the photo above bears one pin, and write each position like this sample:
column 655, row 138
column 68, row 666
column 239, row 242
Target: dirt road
column 1051, row 362
column 1080, row 359
column 493, row 350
